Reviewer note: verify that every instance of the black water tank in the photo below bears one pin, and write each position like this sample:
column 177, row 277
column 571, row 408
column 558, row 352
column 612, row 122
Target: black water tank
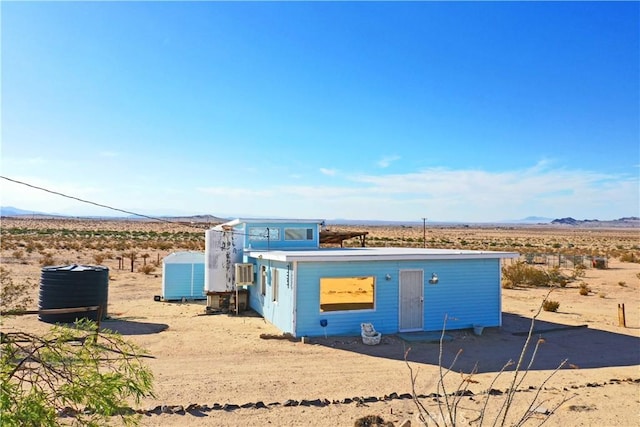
column 72, row 286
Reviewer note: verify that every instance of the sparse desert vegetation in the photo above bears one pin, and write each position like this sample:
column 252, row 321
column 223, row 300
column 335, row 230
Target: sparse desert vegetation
column 550, row 305
column 204, row 361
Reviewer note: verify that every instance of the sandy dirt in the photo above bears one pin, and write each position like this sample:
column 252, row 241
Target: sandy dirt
column 209, row 361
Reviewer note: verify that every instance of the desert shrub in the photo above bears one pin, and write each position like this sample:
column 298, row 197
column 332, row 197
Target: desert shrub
column 629, row 257
column 6, row 244
column 446, row 411
column 555, row 276
column 550, row 305
column 584, row 289
column 47, row 259
column 146, row 269
column 514, row 274
column 522, row 274
column 372, row 421
column 14, row 297
column 164, row 246
column 579, row 270
column 622, row 283
column 121, row 246
column 73, row 245
column 99, row 258
column 18, row 255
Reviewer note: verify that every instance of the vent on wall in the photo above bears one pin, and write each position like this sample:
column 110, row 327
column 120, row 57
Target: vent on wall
column 244, row 274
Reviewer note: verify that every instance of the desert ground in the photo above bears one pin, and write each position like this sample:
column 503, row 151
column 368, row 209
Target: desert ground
column 219, row 370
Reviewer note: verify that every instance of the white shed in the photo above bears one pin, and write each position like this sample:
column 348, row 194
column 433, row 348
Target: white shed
column 183, row 276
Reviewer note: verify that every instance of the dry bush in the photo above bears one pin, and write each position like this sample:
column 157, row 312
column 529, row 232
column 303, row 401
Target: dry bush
column 30, row 247
column 447, row 409
column 579, row 270
column 372, row 421
column 99, row 258
column 14, row 297
column 584, row 289
column 163, row 246
column 47, row 259
column 550, row 305
column 18, row 255
column 556, row 277
column 6, row 244
column 522, row 274
column 146, row 269
column 629, row 257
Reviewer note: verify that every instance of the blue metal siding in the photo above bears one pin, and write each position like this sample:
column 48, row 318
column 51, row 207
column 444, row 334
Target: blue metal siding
column 468, row 292
column 183, row 281
column 384, row 316
column 280, row 242
column 279, row 313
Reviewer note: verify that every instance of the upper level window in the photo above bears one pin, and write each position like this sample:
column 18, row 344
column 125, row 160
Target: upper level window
column 264, row 233
column 298, row 234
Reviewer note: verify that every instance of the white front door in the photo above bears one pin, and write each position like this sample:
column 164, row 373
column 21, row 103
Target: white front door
column 411, row 300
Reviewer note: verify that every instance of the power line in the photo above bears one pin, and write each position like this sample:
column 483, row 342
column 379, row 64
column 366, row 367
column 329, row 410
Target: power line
column 57, row 193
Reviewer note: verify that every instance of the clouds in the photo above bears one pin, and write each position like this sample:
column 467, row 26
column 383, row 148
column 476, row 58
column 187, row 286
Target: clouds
column 442, row 194
column 451, row 195
column 385, row 162
column 328, row 172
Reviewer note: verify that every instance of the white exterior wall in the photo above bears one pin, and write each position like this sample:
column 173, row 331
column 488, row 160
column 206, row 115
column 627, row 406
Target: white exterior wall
column 223, row 249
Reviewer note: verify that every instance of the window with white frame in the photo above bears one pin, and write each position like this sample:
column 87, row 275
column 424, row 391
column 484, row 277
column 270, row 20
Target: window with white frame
column 347, row 293
column 298, row 233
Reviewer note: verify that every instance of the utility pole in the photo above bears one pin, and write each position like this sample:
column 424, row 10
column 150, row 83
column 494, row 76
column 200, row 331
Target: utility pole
column 424, row 232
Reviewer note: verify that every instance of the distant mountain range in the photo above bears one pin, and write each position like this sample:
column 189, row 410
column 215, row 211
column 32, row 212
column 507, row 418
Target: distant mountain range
column 530, row 220
column 632, row 221
column 11, row 211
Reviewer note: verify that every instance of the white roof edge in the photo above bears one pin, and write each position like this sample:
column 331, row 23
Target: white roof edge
column 239, row 221
column 314, row 256
column 184, row 255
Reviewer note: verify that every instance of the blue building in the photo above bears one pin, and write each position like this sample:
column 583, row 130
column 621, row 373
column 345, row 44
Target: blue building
column 183, row 276
column 306, row 290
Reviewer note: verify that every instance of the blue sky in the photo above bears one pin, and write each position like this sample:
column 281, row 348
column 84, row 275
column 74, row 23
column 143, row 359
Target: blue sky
column 452, row 111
